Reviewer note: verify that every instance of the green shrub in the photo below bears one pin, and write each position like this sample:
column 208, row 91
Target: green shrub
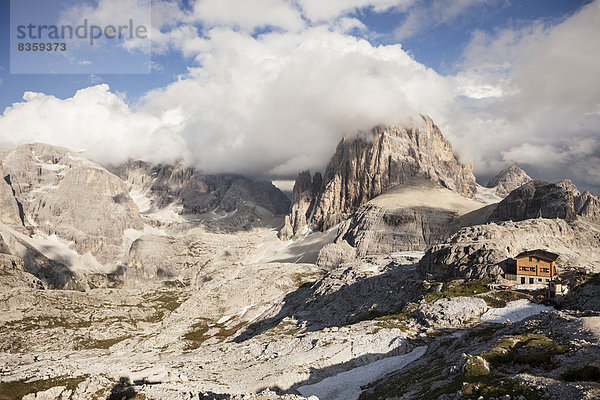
column 17, row 389
column 459, row 289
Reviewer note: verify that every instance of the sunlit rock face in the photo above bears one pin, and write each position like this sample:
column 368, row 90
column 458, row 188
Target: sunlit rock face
column 62, row 193
column 366, row 165
column 508, row 180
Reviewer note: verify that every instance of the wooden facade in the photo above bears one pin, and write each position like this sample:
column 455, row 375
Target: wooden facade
column 536, row 267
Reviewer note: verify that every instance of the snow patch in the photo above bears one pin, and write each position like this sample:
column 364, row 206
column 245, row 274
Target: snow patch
column 58, row 250
column 245, row 310
column 141, row 200
column 346, row 385
column 487, row 195
column 411, row 255
column 514, row 311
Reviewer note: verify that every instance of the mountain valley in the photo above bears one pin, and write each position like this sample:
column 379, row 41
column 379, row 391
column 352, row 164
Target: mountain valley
column 384, row 277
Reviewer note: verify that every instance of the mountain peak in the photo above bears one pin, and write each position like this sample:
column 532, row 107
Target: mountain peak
column 364, row 166
column 509, row 179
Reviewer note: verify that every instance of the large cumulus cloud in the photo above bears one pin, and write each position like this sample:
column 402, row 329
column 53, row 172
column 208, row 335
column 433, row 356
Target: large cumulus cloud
column 274, row 103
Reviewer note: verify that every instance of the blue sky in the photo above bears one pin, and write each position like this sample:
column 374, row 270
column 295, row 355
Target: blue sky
column 439, row 48
column 252, row 87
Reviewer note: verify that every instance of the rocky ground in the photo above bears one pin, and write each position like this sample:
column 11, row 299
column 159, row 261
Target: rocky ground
column 236, row 334
column 144, row 281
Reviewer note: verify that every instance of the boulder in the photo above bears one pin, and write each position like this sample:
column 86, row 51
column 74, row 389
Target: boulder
column 453, row 311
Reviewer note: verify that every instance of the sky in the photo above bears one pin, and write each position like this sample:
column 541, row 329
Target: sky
column 266, row 88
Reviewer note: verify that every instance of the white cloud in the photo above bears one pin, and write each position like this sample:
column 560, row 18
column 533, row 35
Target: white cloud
column 248, row 15
column 271, row 105
column 319, row 10
column 280, row 102
column 96, row 120
column 534, row 93
column 427, row 15
column 276, row 103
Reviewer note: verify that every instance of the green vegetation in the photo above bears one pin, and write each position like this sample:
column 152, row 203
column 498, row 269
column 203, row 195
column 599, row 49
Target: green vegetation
column 17, row 389
column 429, row 383
column 589, row 373
column 201, row 332
column 485, row 333
column 166, row 301
column 176, row 284
column 496, row 387
column 476, row 366
column 459, row 289
column 169, row 301
column 499, row 299
column 197, row 334
column 28, row 324
column 285, row 327
column 393, row 321
column 104, row 344
column 534, row 350
column 304, row 280
column 485, row 375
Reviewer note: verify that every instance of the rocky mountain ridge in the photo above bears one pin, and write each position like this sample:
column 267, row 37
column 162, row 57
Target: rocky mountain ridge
column 410, row 216
column 540, row 199
column 538, row 214
column 366, row 165
column 508, row 180
column 207, row 302
column 72, row 223
column 199, row 193
column 483, row 251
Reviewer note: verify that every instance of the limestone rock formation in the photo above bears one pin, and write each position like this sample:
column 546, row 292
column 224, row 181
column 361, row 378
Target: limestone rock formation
column 508, row 180
column 539, row 199
column 152, row 258
column 410, row 216
column 12, row 273
column 304, row 195
column 482, row 251
column 584, row 297
column 366, row 165
column 450, row 312
column 10, row 211
column 229, row 200
column 66, row 195
column 587, row 205
column 334, row 254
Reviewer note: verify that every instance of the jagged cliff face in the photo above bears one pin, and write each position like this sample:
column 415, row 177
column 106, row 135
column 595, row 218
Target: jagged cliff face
column 58, row 192
column 587, row 205
column 482, row 251
column 538, row 214
column 199, row 193
column 10, row 213
column 539, row 199
column 410, row 216
column 508, row 180
column 305, row 192
column 365, row 166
